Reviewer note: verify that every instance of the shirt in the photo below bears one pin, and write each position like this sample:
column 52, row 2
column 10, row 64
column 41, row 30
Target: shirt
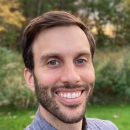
column 39, row 123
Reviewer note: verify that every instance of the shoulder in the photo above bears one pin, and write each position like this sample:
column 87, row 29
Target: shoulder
column 28, row 128
column 39, row 123
column 98, row 124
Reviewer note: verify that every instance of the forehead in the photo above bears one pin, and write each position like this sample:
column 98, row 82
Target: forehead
column 64, row 39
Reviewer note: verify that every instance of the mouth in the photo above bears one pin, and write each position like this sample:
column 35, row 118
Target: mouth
column 70, row 96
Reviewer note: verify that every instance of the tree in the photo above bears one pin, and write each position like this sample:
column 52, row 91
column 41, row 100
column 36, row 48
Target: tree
column 10, row 22
column 37, row 7
column 123, row 31
column 98, row 14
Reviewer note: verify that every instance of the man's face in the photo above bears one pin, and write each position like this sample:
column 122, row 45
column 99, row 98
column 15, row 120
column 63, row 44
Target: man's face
column 63, row 72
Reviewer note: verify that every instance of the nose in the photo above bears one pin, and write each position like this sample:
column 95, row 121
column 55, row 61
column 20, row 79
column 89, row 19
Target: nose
column 70, row 74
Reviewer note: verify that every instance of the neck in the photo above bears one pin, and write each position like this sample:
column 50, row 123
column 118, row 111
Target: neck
column 55, row 122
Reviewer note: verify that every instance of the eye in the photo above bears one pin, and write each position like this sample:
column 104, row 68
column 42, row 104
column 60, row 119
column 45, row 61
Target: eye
column 80, row 61
column 53, row 62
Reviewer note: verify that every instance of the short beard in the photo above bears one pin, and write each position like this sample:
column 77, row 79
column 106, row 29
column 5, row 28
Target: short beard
column 47, row 101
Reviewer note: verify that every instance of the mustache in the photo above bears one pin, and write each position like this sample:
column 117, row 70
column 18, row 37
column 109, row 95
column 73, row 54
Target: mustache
column 70, row 86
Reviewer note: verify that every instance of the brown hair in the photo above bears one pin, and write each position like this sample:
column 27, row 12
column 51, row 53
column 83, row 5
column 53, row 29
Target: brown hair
column 48, row 20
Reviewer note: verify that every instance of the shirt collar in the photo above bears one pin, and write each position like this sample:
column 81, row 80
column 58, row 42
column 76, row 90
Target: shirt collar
column 42, row 122
column 84, row 124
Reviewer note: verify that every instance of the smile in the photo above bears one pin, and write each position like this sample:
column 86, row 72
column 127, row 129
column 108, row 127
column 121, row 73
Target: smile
column 70, row 95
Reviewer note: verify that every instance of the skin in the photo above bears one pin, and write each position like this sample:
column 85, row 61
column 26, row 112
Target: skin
column 62, row 56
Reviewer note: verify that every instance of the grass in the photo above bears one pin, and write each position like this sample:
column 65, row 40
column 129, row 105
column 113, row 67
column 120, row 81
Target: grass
column 118, row 114
column 14, row 119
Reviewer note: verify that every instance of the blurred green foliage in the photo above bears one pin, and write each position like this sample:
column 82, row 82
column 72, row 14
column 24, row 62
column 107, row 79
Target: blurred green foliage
column 11, row 23
column 96, row 14
column 12, row 84
column 112, row 76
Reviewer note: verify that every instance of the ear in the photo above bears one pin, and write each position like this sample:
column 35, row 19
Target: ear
column 29, row 79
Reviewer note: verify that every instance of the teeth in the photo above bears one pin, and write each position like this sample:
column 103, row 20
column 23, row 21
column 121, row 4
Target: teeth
column 73, row 95
column 70, row 95
column 77, row 94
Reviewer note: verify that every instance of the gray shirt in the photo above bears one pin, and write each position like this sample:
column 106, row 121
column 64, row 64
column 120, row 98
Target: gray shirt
column 39, row 123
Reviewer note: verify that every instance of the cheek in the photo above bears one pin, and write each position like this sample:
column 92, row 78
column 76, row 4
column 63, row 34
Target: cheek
column 48, row 79
column 89, row 76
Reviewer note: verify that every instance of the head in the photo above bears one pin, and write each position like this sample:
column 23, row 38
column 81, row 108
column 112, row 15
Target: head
column 58, row 50
column 49, row 20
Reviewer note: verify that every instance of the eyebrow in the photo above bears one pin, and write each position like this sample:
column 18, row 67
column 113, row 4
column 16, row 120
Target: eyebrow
column 58, row 55
column 86, row 53
column 50, row 55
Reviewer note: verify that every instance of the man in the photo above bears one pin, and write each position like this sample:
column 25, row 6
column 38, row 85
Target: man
column 58, row 54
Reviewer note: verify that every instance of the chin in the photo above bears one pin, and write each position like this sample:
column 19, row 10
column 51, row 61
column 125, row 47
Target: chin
column 72, row 115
